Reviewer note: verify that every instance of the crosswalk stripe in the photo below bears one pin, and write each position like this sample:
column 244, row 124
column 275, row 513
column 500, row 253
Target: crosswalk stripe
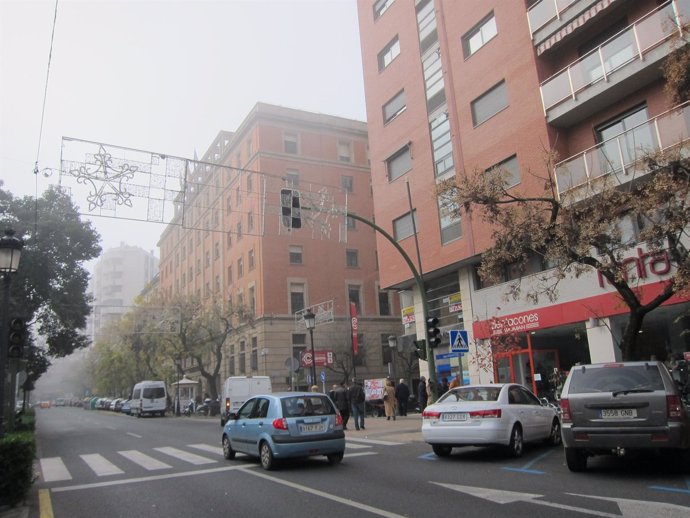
column 144, row 460
column 352, row 446
column 100, row 465
column 375, row 441
column 54, row 469
column 218, row 450
column 185, row 456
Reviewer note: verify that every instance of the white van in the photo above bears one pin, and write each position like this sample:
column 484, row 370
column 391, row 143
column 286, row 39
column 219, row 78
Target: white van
column 237, row 389
column 149, row 398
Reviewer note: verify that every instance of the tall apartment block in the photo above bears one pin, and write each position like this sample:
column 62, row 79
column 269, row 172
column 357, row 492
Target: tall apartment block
column 229, row 244
column 454, row 88
column 119, row 276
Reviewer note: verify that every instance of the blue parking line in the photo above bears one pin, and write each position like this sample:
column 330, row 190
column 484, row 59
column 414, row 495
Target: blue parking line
column 526, row 467
column 670, row 489
column 428, row 456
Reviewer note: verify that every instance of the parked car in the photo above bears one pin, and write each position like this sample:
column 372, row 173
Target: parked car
column 285, row 425
column 481, row 415
column 126, row 407
column 622, row 406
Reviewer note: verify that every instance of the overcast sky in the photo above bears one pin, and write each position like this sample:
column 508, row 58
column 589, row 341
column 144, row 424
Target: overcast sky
column 163, row 76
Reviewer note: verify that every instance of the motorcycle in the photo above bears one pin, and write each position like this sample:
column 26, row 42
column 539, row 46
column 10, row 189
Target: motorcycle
column 188, row 409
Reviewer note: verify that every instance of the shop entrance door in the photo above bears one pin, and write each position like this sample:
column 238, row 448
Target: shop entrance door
column 515, row 367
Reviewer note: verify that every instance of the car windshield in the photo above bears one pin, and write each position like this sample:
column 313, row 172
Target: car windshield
column 630, row 378
column 471, row 394
column 307, row 406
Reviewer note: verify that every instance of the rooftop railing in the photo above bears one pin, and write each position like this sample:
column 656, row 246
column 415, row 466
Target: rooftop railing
column 627, row 46
column 619, row 155
column 544, row 11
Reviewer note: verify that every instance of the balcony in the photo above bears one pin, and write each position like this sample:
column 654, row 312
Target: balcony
column 619, row 155
column 544, row 12
column 619, row 66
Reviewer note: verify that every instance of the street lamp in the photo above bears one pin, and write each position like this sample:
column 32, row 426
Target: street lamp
column 10, row 252
column 310, row 322
column 393, row 344
column 178, row 366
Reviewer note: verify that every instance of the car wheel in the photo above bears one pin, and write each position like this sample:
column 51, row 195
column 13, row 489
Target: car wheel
column 335, row 458
column 554, row 438
column 441, row 450
column 576, row 459
column 228, row 452
column 516, row 443
column 266, row 455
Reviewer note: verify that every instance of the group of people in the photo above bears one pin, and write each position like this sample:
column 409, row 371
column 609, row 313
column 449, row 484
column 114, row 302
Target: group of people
column 348, row 399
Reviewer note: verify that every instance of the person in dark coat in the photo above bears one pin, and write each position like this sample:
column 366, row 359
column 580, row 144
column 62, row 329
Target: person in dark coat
column 402, row 395
column 358, row 398
column 422, row 395
column 341, row 398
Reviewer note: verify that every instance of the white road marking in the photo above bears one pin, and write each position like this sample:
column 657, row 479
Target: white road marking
column 144, row 460
column 354, row 446
column 643, row 509
column 208, row 447
column 54, row 469
column 134, row 435
column 374, row 441
column 100, row 465
column 185, row 456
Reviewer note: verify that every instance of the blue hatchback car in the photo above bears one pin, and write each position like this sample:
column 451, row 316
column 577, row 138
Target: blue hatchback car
column 285, row 425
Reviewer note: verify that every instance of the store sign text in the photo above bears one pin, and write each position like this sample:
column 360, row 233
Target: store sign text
column 643, row 266
column 514, row 324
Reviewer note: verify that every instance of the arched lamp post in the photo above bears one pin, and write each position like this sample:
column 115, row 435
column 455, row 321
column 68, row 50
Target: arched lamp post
column 310, row 322
column 10, row 252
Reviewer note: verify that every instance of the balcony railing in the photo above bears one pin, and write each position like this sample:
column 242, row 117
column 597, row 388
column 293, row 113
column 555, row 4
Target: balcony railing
column 627, row 46
column 544, row 11
column 619, row 154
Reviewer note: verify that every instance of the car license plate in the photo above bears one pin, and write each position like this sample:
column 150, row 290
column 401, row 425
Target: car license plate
column 618, row 413
column 458, row 416
column 308, row 428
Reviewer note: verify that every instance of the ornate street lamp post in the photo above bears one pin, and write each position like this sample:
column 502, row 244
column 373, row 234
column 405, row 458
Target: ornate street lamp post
column 178, row 366
column 310, row 322
column 393, row 344
column 10, row 252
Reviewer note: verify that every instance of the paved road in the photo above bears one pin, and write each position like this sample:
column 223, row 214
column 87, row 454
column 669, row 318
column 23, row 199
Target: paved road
column 97, row 463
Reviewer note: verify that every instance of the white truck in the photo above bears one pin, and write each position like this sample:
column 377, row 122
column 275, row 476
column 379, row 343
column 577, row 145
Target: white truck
column 149, row 398
column 237, row 389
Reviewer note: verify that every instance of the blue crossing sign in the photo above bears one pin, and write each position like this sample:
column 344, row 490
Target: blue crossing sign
column 459, row 341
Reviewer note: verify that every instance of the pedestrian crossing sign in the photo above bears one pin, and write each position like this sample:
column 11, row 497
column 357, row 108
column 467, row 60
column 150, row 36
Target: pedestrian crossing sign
column 459, row 341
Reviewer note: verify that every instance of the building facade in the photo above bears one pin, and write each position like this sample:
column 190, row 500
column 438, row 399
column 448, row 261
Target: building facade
column 229, row 243
column 457, row 88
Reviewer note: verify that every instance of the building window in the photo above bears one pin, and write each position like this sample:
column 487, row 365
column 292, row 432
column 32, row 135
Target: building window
column 239, row 230
column 250, row 182
column 228, row 239
column 250, row 259
column 290, row 143
column 250, row 221
column 479, row 36
column 346, row 183
column 426, row 25
column 216, row 286
column 238, row 196
column 441, row 143
column 394, row 107
column 344, row 152
column 252, row 299
column 231, row 366
column 207, row 259
column 292, row 178
column 352, row 258
column 296, row 297
column 295, row 252
column 384, row 303
column 489, row 103
column 389, row 53
column 255, row 356
column 403, row 228
column 354, row 295
column 400, row 163
column 433, row 80
column 240, row 267
column 620, row 143
column 242, row 358
column 350, row 222
column 380, row 7
column 229, row 275
column 451, row 228
column 216, row 251
column 510, row 170
column 198, row 265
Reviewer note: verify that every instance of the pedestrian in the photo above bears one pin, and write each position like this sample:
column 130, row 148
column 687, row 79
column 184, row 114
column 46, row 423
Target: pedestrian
column 314, row 388
column 422, row 394
column 430, row 392
column 341, row 398
column 444, row 386
column 455, row 382
column 402, row 396
column 389, row 400
column 358, row 398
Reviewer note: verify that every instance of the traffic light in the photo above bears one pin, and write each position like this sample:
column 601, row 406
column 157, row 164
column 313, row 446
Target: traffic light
column 290, row 208
column 420, row 349
column 433, row 332
column 16, row 338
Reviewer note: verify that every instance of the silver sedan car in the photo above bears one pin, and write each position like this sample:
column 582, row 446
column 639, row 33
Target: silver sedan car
column 481, row 415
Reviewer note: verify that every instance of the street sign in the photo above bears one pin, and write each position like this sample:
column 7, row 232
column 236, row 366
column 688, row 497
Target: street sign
column 445, row 356
column 459, row 341
column 323, row 376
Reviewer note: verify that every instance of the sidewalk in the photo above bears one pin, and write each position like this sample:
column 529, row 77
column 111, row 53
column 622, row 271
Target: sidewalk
column 407, row 428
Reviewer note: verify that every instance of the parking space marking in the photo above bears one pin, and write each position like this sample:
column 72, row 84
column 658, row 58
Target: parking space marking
column 526, row 467
column 185, row 456
column 353, row 446
column 134, row 435
column 374, row 441
column 428, row 456
column 54, row 470
column 100, row 465
column 218, row 450
column 143, row 460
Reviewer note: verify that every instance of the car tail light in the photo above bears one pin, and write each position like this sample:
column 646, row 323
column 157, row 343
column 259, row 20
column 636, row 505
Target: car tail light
column 674, row 408
column 227, row 404
column 280, row 424
column 566, row 417
column 483, row 414
column 338, row 419
column 431, row 414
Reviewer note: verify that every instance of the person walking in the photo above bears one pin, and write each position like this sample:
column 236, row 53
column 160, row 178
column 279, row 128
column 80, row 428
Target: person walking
column 341, row 398
column 389, row 400
column 402, row 396
column 314, row 388
column 444, row 386
column 455, row 382
column 358, row 398
column 422, row 395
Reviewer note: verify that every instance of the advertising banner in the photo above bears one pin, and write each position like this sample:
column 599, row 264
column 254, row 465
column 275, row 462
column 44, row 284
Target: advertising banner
column 373, row 388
